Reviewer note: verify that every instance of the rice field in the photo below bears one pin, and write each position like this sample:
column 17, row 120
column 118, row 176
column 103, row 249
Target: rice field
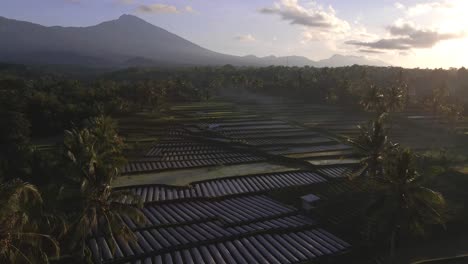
column 246, row 229
column 204, row 181
column 221, row 183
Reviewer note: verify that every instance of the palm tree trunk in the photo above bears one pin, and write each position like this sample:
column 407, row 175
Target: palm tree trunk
column 393, row 240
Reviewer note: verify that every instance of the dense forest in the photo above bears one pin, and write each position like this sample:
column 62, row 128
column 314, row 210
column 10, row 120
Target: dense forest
column 51, row 200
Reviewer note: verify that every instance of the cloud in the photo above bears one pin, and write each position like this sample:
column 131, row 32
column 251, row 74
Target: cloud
column 73, row 1
column 162, row 8
column 424, row 8
column 125, row 2
column 158, row 9
column 404, row 53
column 371, row 51
column 314, row 17
column 399, row 5
column 406, row 37
column 189, row 9
column 245, row 38
column 320, row 25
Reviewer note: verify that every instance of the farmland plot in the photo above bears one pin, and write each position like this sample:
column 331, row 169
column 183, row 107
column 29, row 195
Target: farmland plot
column 204, row 184
column 247, row 229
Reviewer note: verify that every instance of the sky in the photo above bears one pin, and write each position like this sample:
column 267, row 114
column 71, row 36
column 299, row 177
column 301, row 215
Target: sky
column 408, row 33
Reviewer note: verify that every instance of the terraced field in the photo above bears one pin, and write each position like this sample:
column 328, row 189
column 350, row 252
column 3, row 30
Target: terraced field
column 183, row 153
column 219, row 214
column 413, row 127
column 240, row 230
column 248, row 184
column 222, row 183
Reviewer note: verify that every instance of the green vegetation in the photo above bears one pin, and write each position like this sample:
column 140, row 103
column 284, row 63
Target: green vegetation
column 401, row 204
column 57, row 193
column 80, row 198
column 96, row 155
column 21, row 240
column 372, row 142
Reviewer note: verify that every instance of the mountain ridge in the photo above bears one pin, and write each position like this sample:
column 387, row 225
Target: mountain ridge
column 126, row 41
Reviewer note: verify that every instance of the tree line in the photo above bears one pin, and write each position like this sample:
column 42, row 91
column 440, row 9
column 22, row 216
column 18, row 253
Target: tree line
column 436, row 91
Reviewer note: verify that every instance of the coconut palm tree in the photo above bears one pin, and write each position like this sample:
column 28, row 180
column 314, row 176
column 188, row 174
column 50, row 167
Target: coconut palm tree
column 401, row 204
column 20, row 238
column 402, row 84
column 452, row 113
column 394, row 97
column 438, row 99
column 373, row 99
column 96, row 155
column 390, row 99
column 371, row 144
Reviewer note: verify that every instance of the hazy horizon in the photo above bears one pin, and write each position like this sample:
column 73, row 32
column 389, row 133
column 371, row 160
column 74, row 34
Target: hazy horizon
column 426, row 34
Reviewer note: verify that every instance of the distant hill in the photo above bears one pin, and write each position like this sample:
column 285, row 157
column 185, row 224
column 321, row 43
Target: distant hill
column 128, row 41
column 340, row 60
column 300, row 61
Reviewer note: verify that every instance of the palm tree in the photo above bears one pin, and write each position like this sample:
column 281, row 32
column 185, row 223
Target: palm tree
column 20, row 239
column 438, row 99
column 96, row 154
column 404, row 88
column 344, row 91
column 453, row 113
column 394, row 97
column 401, row 204
column 373, row 100
column 371, row 144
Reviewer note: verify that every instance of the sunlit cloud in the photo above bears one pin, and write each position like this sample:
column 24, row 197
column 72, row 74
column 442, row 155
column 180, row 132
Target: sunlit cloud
column 189, row 9
column 322, row 25
column 125, row 2
column 163, row 9
column 407, row 36
column 371, row 51
column 399, row 5
column 319, row 21
column 421, row 26
column 446, row 15
column 424, row 8
column 158, row 9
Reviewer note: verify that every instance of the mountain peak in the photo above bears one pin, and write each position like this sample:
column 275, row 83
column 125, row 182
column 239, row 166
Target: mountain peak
column 130, row 18
column 127, row 16
column 340, row 56
column 123, row 41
